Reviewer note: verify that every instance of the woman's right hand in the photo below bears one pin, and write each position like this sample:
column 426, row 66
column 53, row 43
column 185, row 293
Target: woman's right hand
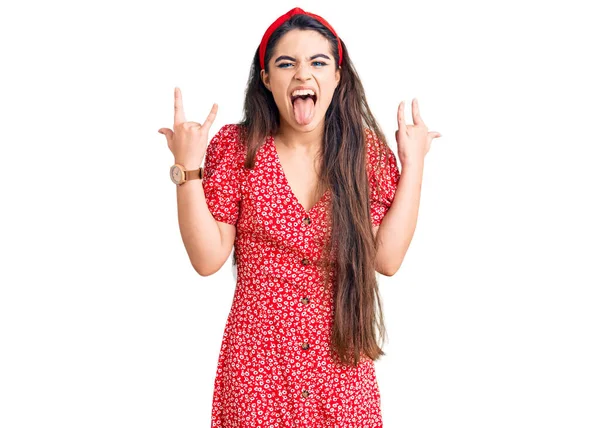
column 188, row 140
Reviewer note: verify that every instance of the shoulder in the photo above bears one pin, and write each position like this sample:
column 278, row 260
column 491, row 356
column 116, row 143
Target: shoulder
column 227, row 142
column 377, row 150
column 228, row 135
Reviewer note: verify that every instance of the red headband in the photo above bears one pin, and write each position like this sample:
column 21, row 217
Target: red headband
column 281, row 20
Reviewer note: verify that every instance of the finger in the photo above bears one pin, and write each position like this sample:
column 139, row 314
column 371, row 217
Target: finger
column 401, row 121
column 434, row 134
column 211, row 116
column 179, row 114
column 166, row 132
column 416, row 113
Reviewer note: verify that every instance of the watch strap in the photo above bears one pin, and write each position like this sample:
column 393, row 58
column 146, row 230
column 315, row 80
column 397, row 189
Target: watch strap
column 194, row 174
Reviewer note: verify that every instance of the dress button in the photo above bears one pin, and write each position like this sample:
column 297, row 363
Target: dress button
column 305, row 300
column 305, row 262
column 306, row 220
column 305, row 393
column 305, row 346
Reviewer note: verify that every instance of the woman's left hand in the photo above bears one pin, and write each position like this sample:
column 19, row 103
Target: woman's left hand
column 413, row 141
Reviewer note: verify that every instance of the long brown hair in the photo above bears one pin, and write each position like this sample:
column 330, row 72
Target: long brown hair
column 343, row 169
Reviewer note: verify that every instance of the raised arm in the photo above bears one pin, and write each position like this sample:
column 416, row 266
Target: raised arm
column 208, row 242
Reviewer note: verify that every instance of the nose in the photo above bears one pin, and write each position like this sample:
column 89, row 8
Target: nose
column 303, row 72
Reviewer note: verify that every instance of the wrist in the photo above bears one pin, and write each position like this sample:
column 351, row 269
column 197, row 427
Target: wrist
column 180, row 174
column 412, row 163
column 189, row 166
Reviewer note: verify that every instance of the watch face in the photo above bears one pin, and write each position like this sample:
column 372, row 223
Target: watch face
column 176, row 174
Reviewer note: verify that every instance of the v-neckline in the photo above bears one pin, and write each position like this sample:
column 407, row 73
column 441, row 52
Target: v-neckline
column 287, row 183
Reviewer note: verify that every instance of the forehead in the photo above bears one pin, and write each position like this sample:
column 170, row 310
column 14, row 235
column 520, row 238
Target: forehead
column 302, row 42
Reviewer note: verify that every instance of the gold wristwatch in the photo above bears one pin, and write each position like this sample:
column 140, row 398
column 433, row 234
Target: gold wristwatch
column 180, row 175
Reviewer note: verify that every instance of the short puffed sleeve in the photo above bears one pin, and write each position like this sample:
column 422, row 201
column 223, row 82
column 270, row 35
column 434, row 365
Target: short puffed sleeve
column 222, row 177
column 383, row 175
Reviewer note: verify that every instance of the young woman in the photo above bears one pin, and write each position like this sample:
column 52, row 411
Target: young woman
column 309, row 195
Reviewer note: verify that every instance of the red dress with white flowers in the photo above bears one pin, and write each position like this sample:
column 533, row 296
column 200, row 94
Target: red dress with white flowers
column 274, row 367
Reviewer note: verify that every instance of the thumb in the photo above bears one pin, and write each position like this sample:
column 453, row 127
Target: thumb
column 166, row 132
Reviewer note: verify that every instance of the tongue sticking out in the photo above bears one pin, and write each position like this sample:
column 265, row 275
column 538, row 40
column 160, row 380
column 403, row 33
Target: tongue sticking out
column 304, row 110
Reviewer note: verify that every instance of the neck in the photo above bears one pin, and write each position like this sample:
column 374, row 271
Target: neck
column 305, row 141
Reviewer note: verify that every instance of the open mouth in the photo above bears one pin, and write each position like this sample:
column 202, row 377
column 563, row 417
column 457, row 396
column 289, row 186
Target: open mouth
column 295, row 97
column 304, row 110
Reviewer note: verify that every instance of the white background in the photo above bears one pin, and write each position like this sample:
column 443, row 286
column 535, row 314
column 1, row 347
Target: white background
column 493, row 318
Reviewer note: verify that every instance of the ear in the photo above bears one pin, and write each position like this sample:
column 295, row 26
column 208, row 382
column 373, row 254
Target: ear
column 265, row 79
column 338, row 74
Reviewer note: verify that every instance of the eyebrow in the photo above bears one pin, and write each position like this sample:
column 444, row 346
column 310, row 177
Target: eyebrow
column 282, row 57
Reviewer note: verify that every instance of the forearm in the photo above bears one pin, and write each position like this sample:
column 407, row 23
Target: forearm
column 199, row 230
column 398, row 226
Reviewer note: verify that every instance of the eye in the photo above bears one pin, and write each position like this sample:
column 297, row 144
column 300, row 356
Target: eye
column 283, row 65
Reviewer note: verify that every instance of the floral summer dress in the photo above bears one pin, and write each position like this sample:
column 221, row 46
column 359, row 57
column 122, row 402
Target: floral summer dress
column 274, row 367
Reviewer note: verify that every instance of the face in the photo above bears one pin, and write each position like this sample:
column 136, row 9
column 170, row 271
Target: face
column 302, row 58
